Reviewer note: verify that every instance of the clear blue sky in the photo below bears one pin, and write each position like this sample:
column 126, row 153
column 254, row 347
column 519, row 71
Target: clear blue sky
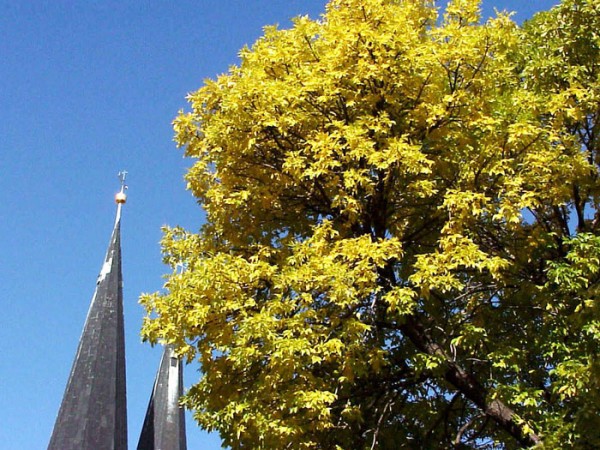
column 88, row 88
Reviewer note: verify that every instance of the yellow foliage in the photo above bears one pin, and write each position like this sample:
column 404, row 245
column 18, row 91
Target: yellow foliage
column 382, row 189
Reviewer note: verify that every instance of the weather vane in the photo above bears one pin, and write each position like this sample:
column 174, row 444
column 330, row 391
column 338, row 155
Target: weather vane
column 121, row 197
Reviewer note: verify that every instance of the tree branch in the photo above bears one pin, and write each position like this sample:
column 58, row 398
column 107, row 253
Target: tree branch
column 467, row 385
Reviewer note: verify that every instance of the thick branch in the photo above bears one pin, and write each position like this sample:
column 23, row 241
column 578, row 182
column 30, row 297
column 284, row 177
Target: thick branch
column 467, row 385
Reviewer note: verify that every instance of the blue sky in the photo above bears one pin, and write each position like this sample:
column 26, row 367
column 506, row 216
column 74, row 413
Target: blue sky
column 88, row 88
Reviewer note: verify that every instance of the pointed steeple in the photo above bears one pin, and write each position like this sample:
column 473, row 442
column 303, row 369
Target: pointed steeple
column 164, row 425
column 93, row 412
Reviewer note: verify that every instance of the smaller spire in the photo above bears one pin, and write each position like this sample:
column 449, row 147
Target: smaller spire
column 164, row 425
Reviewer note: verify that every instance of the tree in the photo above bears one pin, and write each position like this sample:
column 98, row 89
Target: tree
column 401, row 247
column 562, row 66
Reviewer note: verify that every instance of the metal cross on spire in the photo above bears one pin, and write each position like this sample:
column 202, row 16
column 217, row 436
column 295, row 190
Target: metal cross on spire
column 122, row 175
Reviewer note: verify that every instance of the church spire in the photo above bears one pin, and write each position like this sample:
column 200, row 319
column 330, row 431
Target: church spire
column 164, row 425
column 93, row 412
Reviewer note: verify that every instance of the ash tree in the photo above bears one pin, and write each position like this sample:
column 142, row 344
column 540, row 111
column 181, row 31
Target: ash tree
column 402, row 243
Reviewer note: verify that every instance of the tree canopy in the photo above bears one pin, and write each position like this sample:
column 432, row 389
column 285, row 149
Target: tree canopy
column 402, row 243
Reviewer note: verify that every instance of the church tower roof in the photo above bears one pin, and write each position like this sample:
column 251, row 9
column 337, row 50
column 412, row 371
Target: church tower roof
column 164, row 425
column 93, row 412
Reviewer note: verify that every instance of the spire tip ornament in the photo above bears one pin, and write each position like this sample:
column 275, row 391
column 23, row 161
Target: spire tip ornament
column 121, row 198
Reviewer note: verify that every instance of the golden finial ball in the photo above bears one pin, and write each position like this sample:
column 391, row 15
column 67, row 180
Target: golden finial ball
column 120, row 198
